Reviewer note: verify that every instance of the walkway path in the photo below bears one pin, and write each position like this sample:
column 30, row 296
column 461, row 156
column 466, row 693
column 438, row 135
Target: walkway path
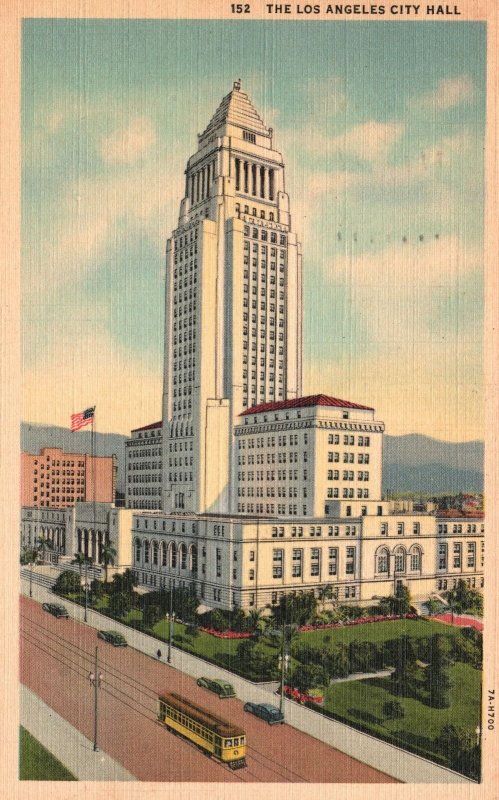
column 66, row 743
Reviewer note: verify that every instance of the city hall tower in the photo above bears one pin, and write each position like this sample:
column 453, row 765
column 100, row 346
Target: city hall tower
column 233, row 326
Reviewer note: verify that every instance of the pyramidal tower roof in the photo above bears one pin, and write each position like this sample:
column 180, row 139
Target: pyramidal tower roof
column 236, row 109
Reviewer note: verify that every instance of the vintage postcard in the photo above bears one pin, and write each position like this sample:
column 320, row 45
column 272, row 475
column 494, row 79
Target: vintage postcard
column 249, row 398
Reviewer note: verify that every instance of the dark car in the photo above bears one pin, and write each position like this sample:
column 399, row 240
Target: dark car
column 222, row 688
column 269, row 713
column 113, row 637
column 57, row 611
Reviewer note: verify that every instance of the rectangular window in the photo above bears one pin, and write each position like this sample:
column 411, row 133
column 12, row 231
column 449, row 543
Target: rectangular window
column 277, row 559
column 471, row 554
column 350, row 561
column 442, row 556
column 297, row 563
column 457, row 554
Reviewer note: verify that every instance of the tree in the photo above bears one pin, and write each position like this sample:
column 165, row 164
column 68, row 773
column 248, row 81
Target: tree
column 108, row 554
column 28, row 555
column 406, row 669
column 392, row 709
column 80, row 559
column 463, row 598
column 123, row 582
column 295, row 608
column 308, row 676
column 326, row 593
column 459, row 747
column 120, row 603
column 67, row 582
column 42, row 544
column 432, row 606
column 336, row 661
column 437, row 679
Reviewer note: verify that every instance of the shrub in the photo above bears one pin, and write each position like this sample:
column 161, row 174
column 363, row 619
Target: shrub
column 67, row 582
column 393, row 710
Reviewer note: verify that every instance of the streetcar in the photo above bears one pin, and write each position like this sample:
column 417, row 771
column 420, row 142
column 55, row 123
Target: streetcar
column 215, row 736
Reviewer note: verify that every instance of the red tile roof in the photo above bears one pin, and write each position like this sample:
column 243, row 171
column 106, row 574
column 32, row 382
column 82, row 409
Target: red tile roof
column 304, row 402
column 150, row 427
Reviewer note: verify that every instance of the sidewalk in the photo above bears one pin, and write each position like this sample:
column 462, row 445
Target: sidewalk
column 388, row 758
column 67, row 744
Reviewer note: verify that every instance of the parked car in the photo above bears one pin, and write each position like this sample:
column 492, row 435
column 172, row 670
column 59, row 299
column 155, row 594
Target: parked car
column 222, row 688
column 113, row 637
column 57, row 611
column 269, row 713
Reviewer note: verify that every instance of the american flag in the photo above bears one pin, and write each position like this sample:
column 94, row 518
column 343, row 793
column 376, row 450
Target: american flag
column 83, row 418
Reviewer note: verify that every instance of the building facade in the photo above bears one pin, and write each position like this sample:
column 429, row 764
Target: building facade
column 143, row 467
column 361, row 553
column 265, row 491
column 294, row 456
column 233, row 325
column 85, row 528
column 54, row 479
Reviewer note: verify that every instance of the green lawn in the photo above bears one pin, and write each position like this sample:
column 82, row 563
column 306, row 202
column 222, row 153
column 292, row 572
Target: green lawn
column 361, row 703
column 37, row 764
column 203, row 645
column 377, row 631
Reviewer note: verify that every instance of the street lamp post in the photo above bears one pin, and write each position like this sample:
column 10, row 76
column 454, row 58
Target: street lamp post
column 171, row 626
column 170, row 616
column 86, row 589
column 95, row 679
column 31, row 576
column 283, row 663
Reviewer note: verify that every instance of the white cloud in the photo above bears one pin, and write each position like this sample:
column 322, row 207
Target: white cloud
column 449, row 92
column 127, row 145
column 370, row 141
column 407, row 295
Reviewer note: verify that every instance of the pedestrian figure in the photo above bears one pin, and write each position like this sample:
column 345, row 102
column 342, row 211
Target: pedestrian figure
column 158, row 654
column 91, row 678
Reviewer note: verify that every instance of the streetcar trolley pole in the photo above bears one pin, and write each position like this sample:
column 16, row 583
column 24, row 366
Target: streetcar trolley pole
column 95, row 679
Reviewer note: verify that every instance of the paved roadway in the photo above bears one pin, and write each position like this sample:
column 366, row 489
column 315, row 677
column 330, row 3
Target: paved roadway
column 57, row 657
column 383, row 757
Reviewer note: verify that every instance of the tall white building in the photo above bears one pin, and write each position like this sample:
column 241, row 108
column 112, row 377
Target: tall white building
column 265, row 491
column 233, row 335
column 143, row 467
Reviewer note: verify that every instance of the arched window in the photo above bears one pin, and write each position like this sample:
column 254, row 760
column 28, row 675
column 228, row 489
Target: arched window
column 173, row 555
column 193, row 558
column 137, row 550
column 183, row 556
column 163, row 553
column 155, row 550
column 147, row 548
column 415, row 559
column 400, row 559
column 382, row 561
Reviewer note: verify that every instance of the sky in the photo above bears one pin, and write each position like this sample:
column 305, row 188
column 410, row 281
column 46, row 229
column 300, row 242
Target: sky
column 381, row 126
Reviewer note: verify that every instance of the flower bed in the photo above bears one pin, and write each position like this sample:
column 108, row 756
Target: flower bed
column 302, row 697
column 226, row 634
column 325, row 626
column 357, row 621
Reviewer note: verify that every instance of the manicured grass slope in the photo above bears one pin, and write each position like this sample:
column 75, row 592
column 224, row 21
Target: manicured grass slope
column 37, row 764
column 362, row 702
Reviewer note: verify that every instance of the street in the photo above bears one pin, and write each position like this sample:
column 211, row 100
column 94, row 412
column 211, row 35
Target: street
column 57, row 656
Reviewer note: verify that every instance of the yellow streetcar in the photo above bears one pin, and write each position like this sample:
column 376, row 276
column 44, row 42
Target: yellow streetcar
column 215, row 736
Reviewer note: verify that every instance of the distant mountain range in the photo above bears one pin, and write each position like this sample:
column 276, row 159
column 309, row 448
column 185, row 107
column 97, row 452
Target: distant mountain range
column 410, row 463
column 420, row 464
